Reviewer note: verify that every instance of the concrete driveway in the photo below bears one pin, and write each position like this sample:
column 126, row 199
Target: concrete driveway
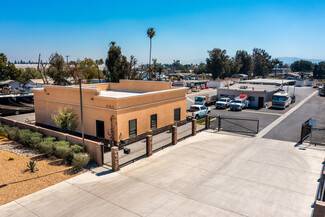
column 211, row 174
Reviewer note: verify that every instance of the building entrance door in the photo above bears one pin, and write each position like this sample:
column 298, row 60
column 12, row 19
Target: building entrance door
column 100, row 129
column 260, row 102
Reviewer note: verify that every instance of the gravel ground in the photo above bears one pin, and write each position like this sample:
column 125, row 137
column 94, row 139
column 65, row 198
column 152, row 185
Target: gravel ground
column 16, row 148
column 17, row 181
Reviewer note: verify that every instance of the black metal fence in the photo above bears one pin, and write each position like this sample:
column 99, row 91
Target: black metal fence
column 236, row 125
column 317, row 136
column 305, row 131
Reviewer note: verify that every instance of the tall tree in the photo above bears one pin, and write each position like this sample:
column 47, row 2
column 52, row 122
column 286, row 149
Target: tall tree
column 150, row 33
column 88, row 68
column 57, row 69
column 262, row 62
column 245, row 61
column 97, row 63
column 276, row 63
column 132, row 73
column 116, row 64
column 218, row 63
column 319, row 70
column 302, row 66
column 75, row 71
column 8, row 69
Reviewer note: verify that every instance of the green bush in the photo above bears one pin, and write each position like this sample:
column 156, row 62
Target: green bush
column 35, row 140
column 24, row 137
column 49, row 139
column 66, row 119
column 62, row 151
column 77, row 148
column 2, row 130
column 62, row 143
column 47, row 148
column 12, row 132
column 80, row 160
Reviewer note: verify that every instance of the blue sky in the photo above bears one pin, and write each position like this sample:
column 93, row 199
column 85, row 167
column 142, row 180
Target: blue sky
column 185, row 30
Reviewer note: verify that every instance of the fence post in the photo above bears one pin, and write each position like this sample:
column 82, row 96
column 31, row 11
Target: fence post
column 219, row 123
column 302, row 133
column 115, row 159
column 102, row 150
column 193, row 127
column 174, row 135
column 149, row 145
column 207, row 122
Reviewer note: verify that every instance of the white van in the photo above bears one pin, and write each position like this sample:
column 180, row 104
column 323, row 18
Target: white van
column 281, row 100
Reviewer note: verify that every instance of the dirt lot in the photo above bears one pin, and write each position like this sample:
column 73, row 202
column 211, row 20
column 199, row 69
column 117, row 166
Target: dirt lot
column 17, row 181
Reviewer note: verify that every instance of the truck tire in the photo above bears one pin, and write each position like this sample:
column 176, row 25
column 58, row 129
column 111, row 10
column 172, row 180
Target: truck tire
column 197, row 117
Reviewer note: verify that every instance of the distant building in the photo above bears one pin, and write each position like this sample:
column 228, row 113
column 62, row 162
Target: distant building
column 241, row 76
column 10, row 84
column 258, row 94
column 36, row 83
column 269, row 81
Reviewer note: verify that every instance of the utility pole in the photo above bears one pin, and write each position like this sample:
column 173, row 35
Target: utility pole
column 68, row 59
column 38, row 68
column 82, row 117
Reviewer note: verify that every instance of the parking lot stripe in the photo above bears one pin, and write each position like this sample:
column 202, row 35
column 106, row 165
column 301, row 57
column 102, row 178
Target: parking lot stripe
column 266, row 113
column 284, row 116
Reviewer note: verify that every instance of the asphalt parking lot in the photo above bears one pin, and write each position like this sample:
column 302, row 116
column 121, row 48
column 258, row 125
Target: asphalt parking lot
column 289, row 129
column 265, row 115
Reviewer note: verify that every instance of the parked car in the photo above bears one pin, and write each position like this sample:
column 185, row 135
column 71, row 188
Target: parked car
column 321, row 91
column 198, row 111
column 223, row 103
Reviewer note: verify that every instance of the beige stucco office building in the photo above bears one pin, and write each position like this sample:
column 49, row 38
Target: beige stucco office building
column 123, row 109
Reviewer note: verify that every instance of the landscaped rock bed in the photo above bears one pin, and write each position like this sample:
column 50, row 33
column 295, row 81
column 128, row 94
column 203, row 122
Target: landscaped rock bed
column 17, row 181
column 16, row 148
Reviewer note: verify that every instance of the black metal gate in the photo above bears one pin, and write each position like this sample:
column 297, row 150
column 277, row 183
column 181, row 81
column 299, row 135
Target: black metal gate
column 236, row 125
column 305, row 131
column 317, row 136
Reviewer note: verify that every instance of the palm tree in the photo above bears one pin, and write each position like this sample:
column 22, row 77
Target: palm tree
column 97, row 63
column 150, row 33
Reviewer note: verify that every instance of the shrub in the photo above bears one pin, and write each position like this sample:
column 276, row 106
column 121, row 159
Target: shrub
column 11, row 158
column 2, row 131
column 62, row 143
column 24, row 137
column 62, row 151
column 35, row 140
column 46, row 147
column 77, row 148
column 80, row 160
column 12, row 132
column 49, row 139
column 31, row 165
column 66, row 119
column 149, row 132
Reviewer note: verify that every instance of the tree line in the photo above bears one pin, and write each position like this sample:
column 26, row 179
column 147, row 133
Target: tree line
column 117, row 66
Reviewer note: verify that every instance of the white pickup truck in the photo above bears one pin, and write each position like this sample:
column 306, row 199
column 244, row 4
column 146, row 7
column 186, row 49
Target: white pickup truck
column 239, row 104
column 197, row 111
column 223, row 103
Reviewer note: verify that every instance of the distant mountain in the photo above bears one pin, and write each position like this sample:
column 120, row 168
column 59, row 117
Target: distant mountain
column 289, row 60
